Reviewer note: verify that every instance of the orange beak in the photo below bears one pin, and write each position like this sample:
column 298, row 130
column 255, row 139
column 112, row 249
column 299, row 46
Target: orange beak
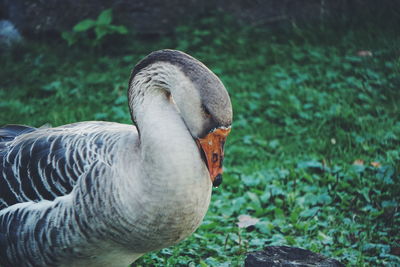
column 213, row 147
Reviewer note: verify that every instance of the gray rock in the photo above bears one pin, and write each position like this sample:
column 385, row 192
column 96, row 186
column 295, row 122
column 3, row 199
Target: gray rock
column 9, row 35
column 283, row 256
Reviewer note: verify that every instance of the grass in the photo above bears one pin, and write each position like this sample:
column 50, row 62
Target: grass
column 314, row 151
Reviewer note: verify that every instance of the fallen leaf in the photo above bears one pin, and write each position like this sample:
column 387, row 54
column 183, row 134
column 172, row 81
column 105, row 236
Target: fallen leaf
column 246, row 221
column 375, row 164
column 364, row 53
column 358, row 162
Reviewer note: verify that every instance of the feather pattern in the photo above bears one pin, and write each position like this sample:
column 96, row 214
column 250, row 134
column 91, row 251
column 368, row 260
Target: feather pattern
column 46, row 163
column 39, row 170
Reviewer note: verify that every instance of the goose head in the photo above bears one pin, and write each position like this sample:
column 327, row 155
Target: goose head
column 198, row 95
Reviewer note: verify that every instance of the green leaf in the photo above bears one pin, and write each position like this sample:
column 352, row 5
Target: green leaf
column 70, row 37
column 53, row 86
column 309, row 212
column 119, row 29
column 312, row 164
column 100, row 32
column 105, row 17
column 324, row 238
column 279, row 213
column 84, row 25
column 264, row 227
column 254, row 199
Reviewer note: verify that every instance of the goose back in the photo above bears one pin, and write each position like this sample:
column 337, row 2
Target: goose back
column 45, row 163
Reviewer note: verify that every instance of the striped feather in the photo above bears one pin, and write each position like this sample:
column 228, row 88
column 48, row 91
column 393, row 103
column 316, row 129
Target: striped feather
column 42, row 164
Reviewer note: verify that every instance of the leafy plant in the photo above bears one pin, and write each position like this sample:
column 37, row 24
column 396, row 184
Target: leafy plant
column 101, row 27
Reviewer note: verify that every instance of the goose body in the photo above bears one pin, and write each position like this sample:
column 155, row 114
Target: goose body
column 103, row 193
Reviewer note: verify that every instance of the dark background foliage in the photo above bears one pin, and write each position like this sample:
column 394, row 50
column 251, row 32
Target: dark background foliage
column 158, row 16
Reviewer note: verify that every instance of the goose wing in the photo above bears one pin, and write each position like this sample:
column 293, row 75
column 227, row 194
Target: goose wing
column 37, row 164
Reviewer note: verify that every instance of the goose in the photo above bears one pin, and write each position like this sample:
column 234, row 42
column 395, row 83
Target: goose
column 103, row 193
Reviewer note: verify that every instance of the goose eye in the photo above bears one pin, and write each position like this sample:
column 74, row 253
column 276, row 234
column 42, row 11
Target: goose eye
column 206, row 112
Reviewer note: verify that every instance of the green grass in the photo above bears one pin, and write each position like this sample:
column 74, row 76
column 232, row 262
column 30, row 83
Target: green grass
column 306, row 107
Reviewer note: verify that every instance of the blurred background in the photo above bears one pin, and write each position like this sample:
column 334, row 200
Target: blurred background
column 313, row 157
